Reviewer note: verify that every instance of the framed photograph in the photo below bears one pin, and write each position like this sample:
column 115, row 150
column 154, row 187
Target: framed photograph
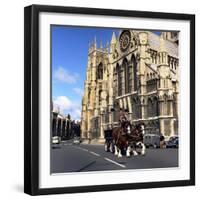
column 109, row 99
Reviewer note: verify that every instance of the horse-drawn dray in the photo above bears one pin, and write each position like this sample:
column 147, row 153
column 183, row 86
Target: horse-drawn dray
column 127, row 140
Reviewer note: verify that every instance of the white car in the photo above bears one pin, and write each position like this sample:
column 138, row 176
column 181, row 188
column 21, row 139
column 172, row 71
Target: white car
column 56, row 140
column 76, row 140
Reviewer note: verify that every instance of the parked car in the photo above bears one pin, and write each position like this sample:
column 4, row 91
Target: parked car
column 172, row 142
column 152, row 140
column 56, row 140
column 76, row 140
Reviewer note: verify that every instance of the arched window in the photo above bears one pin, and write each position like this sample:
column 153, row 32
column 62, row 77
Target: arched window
column 100, row 91
column 166, row 105
column 149, row 107
column 134, row 62
column 115, row 111
column 130, row 79
column 115, row 82
column 120, row 78
column 100, row 71
column 152, row 107
column 126, row 75
column 175, row 64
column 155, row 106
column 136, row 108
column 134, row 105
column 175, row 113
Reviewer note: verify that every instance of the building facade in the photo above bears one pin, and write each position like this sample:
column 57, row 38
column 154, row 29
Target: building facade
column 138, row 71
column 62, row 125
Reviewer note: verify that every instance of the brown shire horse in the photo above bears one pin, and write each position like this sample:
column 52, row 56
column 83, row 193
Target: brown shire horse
column 136, row 140
column 128, row 141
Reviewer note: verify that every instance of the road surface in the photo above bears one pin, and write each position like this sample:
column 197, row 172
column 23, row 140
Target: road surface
column 67, row 157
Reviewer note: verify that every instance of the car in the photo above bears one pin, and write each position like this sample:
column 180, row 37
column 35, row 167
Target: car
column 152, row 140
column 56, row 140
column 172, row 142
column 76, row 140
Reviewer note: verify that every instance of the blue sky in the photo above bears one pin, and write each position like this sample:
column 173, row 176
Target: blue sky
column 69, row 61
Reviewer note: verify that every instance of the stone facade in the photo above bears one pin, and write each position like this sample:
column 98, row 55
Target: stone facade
column 137, row 71
column 62, row 125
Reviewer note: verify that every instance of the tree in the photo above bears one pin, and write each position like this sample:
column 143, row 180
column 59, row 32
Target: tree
column 68, row 116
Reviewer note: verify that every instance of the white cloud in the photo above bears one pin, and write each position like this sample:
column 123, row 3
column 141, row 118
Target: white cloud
column 63, row 102
column 65, row 76
column 66, row 106
column 78, row 91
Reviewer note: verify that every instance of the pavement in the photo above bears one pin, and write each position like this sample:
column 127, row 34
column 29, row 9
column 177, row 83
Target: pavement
column 68, row 157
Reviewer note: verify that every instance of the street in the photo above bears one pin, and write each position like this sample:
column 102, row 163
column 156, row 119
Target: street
column 68, row 157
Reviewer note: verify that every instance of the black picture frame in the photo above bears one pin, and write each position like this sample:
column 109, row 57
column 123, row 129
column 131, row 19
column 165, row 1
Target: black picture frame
column 31, row 98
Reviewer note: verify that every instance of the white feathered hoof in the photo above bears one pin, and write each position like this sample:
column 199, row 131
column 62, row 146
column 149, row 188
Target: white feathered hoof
column 135, row 153
column 128, row 152
column 119, row 155
column 106, row 147
column 143, row 152
column 116, row 152
column 128, row 155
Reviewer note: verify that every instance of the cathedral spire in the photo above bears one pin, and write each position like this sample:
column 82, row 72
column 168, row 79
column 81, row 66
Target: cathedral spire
column 95, row 42
column 113, row 40
column 113, row 43
column 89, row 46
column 107, row 46
column 101, row 45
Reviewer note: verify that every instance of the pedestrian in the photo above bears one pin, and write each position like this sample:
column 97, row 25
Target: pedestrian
column 162, row 141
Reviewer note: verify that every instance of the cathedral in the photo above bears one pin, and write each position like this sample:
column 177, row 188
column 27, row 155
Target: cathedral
column 137, row 71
